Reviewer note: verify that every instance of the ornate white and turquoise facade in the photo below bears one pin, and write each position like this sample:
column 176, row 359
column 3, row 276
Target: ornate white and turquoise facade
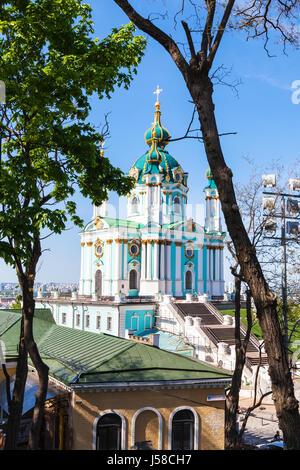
column 155, row 249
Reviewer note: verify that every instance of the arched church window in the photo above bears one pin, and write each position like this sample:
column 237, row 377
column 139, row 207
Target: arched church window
column 134, row 205
column 108, row 434
column 188, row 280
column 183, row 430
column 177, row 204
column 133, row 279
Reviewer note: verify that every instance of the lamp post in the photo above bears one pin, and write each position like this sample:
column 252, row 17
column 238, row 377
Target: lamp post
column 293, row 207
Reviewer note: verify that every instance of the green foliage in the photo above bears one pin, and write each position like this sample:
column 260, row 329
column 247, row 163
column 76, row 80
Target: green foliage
column 293, row 310
column 17, row 304
column 51, row 65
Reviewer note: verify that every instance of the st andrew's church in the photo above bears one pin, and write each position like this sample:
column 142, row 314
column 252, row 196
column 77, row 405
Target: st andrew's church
column 156, row 249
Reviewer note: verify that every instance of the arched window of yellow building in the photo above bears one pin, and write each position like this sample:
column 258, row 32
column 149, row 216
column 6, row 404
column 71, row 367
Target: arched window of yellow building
column 109, row 432
column 183, row 430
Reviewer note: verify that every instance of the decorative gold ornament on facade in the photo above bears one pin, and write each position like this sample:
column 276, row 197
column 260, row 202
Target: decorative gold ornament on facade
column 99, row 223
column 189, row 250
column 178, row 175
column 134, row 248
column 99, row 248
column 134, row 173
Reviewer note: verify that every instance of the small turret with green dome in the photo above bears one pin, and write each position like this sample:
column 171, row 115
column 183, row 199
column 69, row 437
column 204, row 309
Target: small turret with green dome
column 211, row 183
column 157, row 159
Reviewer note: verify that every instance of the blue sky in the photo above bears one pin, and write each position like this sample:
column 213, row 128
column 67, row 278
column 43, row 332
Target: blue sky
column 263, row 115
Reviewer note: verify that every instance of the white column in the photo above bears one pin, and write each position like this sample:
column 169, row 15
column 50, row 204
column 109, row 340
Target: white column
column 162, row 260
column 207, row 264
column 82, row 274
column 117, row 267
column 221, row 265
column 178, row 260
column 149, row 249
column 168, row 260
column 143, row 260
column 147, row 201
column 217, row 264
column 200, row 263
column 156, row 260
column 108, row 249
column 125, row 259
column 88, row 268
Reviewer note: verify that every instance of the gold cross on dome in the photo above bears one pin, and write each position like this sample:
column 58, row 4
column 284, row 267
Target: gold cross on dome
column 157, row 92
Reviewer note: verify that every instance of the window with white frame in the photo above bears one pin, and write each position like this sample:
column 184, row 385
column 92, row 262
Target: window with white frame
column 183, row 430
column 108, row 432
column 98, row 322
column 109, row 324
column 77, row 319
column 134, row 322
column 87, row 321
column 63, row 318
column 148, row 321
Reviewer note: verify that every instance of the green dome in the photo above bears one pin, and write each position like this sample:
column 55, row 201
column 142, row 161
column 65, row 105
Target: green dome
column 210, row 177
column 157, row 160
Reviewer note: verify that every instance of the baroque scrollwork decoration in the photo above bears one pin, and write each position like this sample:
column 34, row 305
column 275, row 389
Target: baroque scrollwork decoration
column 189, row 251
column 99, row 248
column 134, row 173
column 134, row 248
column 178, row 174
column 99, row 223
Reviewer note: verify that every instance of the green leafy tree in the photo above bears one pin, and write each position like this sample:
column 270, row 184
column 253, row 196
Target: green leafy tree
column 51, row 64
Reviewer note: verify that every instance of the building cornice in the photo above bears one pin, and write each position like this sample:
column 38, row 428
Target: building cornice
column 159, row 385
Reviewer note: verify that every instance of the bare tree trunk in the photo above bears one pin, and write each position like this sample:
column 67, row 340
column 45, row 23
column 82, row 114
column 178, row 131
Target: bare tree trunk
column 232, row 398
column 27, row 346
column 15, row 404
column 42, row 370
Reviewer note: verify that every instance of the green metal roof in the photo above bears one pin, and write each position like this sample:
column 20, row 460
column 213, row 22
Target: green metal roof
column 114, row 223
column 84, row 357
